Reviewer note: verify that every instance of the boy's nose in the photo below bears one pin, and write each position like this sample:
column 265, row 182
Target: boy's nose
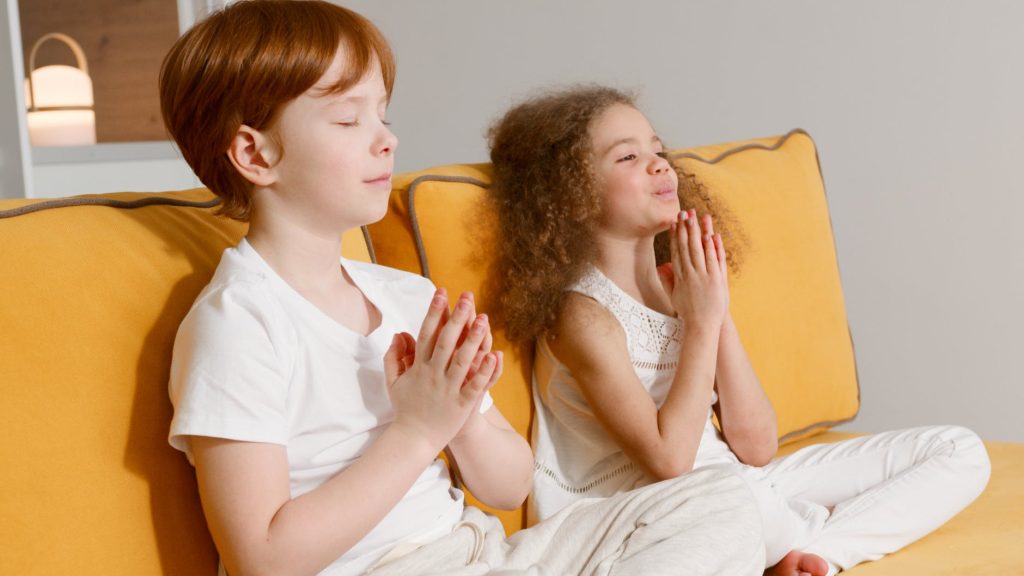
column 388, row 142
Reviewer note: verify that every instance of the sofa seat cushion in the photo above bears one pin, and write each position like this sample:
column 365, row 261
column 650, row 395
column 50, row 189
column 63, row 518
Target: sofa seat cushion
column 983, row 539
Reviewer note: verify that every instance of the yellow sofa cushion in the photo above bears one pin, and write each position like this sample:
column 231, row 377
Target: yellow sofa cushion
column 92, row 298
column 787, row 300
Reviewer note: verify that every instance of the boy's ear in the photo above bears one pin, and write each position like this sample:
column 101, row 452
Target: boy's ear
column 253, row 155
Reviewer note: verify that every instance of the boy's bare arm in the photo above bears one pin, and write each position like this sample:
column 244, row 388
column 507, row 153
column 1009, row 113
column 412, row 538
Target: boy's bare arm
column 260, row 529
column 495, row 462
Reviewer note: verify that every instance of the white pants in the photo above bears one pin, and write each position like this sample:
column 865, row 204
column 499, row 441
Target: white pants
column 703, row 523
column 887, row 490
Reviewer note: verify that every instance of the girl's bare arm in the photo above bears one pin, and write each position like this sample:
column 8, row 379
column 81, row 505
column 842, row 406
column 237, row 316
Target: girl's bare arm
column 591, row 344
column 744, row 411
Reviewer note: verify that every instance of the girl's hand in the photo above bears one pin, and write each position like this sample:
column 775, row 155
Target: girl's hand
column 723, row 258
column 697, row 281
column 429, row 378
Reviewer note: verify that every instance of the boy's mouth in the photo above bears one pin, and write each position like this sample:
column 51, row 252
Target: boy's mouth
column 382, row 179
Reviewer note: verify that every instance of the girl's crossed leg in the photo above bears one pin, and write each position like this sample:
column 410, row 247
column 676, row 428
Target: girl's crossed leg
column 860, row 499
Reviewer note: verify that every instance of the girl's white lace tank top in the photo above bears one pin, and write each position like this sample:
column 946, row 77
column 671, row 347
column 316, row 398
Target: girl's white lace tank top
column 575, row 457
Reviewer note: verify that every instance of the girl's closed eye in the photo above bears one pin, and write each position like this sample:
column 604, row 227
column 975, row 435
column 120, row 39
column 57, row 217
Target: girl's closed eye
column 662, row 154
column 627, row 158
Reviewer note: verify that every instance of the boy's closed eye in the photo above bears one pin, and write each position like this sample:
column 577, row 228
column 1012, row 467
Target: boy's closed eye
column 355, row 123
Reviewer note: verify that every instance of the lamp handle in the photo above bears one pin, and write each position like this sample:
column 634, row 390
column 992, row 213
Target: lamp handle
column 67, row 40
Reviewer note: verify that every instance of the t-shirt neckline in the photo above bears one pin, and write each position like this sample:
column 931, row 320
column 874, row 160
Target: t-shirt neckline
column 247, row 249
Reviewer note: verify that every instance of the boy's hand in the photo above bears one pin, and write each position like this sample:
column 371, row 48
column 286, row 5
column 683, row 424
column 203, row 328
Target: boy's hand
column 407, row 356
column 431, row 380
column 476, row 419
column 697, row 280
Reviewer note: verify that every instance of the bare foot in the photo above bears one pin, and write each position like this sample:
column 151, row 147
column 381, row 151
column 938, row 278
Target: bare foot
column 797, row 563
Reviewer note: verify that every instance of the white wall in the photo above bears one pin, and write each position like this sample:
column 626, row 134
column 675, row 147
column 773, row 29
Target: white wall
column 113, row 167
column 916, row 107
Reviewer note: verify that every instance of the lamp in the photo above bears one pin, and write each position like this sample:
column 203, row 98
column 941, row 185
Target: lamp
column 60, row 99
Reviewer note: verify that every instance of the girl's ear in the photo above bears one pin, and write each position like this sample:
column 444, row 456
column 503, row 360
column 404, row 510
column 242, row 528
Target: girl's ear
column 253, row 155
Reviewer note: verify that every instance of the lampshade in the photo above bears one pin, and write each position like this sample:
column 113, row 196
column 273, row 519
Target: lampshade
column 60, row 99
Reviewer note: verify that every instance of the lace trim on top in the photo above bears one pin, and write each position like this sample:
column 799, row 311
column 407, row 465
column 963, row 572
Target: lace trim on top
column 658, row 366
column 589, row 486
column 648, row 332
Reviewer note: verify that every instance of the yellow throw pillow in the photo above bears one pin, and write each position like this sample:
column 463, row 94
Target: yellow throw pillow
column 787, row 300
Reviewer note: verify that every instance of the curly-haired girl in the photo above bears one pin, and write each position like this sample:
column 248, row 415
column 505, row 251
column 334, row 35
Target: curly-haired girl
column 633, row 356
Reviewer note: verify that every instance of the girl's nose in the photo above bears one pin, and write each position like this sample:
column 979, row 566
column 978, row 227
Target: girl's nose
column 659, row 165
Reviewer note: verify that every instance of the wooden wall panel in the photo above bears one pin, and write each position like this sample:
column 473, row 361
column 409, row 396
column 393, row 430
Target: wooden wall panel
column 124, row 41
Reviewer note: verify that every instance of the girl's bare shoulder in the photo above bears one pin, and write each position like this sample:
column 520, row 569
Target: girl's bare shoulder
column 585, row 333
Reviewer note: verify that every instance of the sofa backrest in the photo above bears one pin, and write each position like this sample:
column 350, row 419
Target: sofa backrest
column 94, row 288
column 786, row 300
column 93, row 294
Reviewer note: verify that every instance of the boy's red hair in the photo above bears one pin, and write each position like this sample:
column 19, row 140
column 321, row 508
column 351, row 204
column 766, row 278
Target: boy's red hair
column 241, row 64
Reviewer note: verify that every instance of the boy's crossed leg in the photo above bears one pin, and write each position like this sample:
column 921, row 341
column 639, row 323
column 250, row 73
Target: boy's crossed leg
column 705, row 522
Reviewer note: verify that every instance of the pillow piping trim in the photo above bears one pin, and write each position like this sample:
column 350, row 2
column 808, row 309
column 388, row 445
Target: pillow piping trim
column 752, row 146
column 108, row 202
column 140, row 203
column 369, row 243
column 417, row 235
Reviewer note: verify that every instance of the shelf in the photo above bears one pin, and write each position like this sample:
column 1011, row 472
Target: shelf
column 107, row 152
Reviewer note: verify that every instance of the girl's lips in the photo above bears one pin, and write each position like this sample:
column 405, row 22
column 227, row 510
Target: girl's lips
column 386, row 178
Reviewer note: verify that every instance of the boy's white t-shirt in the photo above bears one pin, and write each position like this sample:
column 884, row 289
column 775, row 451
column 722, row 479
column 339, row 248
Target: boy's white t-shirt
column 255, row 361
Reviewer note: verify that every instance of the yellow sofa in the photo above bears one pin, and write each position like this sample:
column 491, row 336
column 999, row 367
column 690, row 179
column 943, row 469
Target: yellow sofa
column 94, row 288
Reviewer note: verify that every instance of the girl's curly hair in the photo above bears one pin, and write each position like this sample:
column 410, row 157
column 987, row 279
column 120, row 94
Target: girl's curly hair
column 546, row 202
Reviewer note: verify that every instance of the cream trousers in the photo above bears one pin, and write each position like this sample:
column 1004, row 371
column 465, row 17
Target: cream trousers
column 860, row 499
